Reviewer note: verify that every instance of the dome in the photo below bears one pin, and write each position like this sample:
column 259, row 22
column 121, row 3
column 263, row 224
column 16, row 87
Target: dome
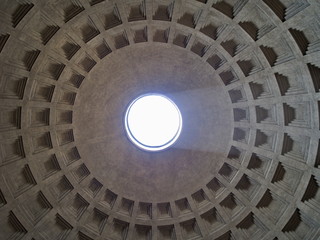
column 245, row 76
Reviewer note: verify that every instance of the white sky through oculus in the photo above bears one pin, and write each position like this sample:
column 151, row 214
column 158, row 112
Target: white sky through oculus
column 153, row 121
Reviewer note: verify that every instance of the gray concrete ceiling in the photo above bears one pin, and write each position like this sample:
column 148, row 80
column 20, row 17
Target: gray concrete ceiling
column 246, row 77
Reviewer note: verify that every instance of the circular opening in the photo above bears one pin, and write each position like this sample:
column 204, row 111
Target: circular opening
column 153, row 122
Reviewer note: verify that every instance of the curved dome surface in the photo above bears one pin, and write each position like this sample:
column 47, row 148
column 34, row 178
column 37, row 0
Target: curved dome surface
column 246, row 77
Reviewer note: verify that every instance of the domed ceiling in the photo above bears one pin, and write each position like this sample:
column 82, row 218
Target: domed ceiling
column 245, row 75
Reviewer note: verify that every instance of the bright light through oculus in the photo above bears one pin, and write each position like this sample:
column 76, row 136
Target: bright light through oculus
column 153, row 122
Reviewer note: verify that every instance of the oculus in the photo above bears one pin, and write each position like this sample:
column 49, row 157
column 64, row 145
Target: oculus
column 153, row 122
